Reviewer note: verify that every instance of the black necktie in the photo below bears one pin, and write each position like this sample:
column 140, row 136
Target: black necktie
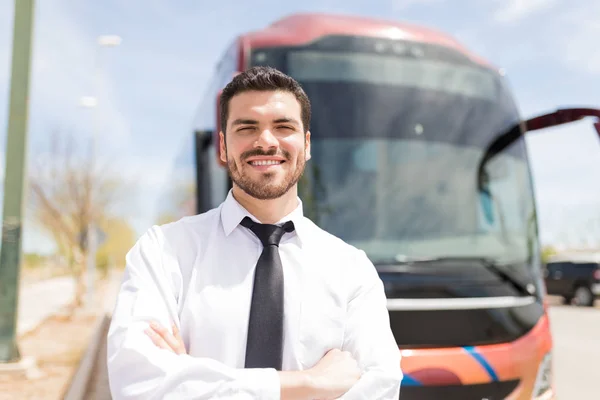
column 265, row 328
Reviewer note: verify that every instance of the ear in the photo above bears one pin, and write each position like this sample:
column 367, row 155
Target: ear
column 222, row 147
column 307, row 146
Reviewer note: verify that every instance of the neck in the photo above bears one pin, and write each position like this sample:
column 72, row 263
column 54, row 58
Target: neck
column 267, row 211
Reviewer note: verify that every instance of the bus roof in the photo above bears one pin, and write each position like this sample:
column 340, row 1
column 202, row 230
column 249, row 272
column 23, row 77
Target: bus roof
column 303, row 28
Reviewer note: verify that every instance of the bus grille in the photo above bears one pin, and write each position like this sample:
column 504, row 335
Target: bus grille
column 485, row 391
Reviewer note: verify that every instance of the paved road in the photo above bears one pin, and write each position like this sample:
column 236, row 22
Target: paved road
column 39, row 300
column 576, row 335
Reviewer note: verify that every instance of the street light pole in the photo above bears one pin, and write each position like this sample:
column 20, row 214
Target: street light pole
column 92, row 229
column 16, row 146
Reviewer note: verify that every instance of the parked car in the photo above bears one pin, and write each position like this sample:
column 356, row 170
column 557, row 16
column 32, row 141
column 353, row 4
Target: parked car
column 577, row 280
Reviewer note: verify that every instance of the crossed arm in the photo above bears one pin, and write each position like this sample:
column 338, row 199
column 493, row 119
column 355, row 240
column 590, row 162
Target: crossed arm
column 331, row 377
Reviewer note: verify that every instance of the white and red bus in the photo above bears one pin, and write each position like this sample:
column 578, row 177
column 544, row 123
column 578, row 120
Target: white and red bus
column 418, row 158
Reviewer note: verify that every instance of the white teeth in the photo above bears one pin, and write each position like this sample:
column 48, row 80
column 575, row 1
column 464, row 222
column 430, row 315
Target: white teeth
column 265, row 162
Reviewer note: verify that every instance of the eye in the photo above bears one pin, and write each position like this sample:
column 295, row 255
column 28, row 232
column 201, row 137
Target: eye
column 286, row 127
column 245, row 128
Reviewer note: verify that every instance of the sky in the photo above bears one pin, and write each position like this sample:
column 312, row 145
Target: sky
column 151, row 84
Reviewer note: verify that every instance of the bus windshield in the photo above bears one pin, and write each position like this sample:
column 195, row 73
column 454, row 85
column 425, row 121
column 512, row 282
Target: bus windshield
column 396, row 141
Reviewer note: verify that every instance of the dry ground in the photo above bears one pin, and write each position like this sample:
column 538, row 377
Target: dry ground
column 57, row 346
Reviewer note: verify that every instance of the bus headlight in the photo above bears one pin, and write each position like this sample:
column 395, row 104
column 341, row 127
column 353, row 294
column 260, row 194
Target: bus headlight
column 543, row 381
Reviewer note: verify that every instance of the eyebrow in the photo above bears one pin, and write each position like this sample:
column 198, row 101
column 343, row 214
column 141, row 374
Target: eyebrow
column 243, row 121
column 286, row 120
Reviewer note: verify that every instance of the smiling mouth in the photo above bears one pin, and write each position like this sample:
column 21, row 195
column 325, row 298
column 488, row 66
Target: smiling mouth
column 259, row 163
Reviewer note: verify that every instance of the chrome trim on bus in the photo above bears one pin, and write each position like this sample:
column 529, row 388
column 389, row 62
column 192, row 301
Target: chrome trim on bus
column 471, row 303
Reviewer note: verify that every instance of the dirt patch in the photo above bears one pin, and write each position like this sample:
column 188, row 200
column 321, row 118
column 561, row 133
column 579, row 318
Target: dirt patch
column 57, row 345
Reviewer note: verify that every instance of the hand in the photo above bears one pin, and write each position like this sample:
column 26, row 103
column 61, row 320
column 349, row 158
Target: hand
column 335, row 374
column 164, row 339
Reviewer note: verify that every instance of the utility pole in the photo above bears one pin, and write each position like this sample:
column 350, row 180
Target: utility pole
column 14, row 184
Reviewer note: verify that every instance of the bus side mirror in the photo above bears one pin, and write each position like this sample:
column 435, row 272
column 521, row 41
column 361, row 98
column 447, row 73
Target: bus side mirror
column 504, row 140
column 203, row 141
column 562, row 116
column 558, row 117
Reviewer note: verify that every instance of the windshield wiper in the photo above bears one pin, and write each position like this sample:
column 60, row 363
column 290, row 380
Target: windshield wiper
column 526, row 289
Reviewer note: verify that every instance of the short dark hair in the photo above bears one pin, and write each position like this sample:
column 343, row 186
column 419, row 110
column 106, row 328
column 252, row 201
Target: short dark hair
column 264, row 78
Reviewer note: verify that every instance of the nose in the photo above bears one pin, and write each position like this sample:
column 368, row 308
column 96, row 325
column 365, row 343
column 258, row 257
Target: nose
column 266, row 139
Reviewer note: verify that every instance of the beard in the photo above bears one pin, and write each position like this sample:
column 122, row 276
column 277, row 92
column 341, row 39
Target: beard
column 265, row 187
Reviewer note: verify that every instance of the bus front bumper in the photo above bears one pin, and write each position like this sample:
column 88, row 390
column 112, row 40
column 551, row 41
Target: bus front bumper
column 519, row 370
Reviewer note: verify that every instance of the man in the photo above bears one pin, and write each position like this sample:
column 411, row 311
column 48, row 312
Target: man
column 251, row 300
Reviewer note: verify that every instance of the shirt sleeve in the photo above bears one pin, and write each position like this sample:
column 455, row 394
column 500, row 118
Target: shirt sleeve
column 138, row 369
column 368, row 337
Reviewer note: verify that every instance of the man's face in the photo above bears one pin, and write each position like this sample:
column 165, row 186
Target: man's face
column 265, row 147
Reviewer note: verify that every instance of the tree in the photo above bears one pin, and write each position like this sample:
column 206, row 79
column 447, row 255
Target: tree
column 120, row 237
column 547, row 253
column 69, row 189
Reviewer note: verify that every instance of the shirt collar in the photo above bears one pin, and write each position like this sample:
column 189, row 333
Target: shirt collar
column 232, row 214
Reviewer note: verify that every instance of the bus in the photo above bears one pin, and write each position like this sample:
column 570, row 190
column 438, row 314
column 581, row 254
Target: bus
column 419, row 159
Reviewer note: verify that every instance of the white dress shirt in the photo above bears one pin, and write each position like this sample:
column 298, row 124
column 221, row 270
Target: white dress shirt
column 198, row 273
